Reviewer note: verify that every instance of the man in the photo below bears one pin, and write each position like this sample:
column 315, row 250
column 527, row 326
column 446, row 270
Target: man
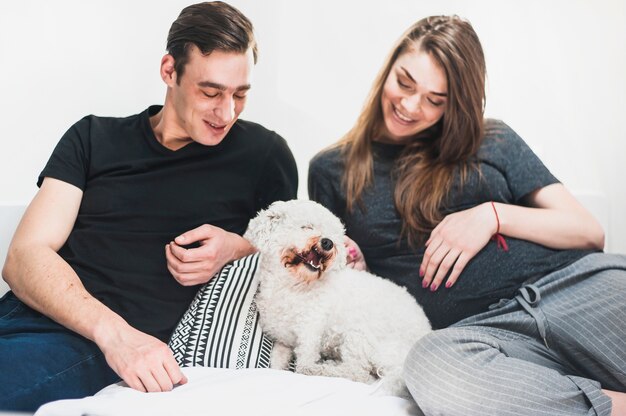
column 98, row 271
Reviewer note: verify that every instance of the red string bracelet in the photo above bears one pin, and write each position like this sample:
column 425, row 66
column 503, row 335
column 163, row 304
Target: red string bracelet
column 497, row 237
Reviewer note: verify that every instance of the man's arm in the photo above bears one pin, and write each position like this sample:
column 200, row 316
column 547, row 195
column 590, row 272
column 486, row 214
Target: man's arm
column 44, row 281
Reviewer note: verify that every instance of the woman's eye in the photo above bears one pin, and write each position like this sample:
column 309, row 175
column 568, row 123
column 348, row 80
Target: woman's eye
column 403, row 85
column 435, row 103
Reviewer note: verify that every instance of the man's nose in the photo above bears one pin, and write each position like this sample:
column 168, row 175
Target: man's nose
column 225, row 109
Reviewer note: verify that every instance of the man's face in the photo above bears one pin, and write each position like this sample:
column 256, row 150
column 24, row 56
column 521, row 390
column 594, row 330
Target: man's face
column 208, row 98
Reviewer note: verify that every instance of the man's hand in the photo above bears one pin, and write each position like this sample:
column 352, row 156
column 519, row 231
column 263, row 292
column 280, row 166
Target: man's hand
column 142, row 361
column 355, row 256
column 454, row 242
column 193, row 266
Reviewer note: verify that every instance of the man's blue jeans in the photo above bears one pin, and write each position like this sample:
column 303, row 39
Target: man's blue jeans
column 42, row 361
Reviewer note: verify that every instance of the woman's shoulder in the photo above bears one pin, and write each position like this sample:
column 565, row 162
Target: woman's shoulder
column 502, row 144
column 498, row 134
column 497, row 129
column 330, row 158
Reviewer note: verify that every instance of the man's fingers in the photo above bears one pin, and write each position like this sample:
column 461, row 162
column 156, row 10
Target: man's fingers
column 173, row 263
column 204, row 253
column 174, row 372
column 163, row 379
column 202, row 232
column 170, row 257
column 150, row 383
column 186, row 255
column 192, row 279
column 188, row 274
column 184, row 267
column 135, row 383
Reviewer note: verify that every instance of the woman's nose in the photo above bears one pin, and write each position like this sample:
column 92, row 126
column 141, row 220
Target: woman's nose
column 412, row 104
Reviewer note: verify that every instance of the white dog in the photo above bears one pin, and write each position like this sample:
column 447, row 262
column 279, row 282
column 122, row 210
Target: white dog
column 336, row 320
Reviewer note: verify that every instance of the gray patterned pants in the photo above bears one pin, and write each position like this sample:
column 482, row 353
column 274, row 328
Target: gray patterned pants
column 549, row 351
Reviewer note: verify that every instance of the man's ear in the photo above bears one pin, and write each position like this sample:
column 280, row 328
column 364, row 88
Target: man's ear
column 168, row 72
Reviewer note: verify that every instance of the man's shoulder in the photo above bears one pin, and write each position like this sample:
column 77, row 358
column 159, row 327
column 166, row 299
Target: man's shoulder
column 246, row 128
column 253, row 138
column 93, row 122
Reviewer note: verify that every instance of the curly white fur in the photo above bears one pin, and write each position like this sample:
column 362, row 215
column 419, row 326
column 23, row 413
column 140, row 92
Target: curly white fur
column 337, row 321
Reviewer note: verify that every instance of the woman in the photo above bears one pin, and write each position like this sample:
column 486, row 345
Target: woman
column 461, row 212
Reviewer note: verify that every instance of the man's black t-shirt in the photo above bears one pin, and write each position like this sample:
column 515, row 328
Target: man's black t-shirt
column 138, row 196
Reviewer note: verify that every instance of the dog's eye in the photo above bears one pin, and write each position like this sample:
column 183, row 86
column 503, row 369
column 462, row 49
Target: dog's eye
column 307, row 227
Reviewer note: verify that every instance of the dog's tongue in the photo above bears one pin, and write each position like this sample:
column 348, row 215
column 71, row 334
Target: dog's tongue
column 313, row 258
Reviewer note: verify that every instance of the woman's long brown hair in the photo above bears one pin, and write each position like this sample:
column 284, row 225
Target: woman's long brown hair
column 427, row 165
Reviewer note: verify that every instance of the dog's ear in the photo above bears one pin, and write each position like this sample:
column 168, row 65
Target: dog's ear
column 261, row 227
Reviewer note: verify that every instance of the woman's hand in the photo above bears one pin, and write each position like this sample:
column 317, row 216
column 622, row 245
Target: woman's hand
column 355, row 257
column 454, row 242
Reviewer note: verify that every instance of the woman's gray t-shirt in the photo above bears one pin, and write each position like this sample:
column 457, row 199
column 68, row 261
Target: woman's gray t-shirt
column 508, row 171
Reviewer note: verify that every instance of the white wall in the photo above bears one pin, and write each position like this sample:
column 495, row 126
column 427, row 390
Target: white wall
column 556, row 75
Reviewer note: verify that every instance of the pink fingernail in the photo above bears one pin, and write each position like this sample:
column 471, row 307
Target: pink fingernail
column 433, row 287
column 352, row 251
column 448, row 285
column 424, row 284
column 421, row 273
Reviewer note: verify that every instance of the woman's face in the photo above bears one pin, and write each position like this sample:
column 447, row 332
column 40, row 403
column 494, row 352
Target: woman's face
column 414, row 96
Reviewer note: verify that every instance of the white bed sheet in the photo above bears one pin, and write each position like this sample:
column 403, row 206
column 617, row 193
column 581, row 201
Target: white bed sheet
column 240, row 392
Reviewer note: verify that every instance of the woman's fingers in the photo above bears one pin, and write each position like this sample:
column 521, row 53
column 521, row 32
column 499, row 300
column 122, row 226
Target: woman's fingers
column 447, row 263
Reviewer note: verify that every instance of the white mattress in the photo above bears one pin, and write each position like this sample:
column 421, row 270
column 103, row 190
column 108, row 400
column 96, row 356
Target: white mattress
column 240, row 392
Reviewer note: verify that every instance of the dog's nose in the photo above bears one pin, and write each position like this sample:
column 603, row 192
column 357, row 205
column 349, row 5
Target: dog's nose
column 326, row 244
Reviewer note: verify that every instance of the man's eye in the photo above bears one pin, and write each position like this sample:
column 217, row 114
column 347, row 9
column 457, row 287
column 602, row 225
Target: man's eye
column 210, row 95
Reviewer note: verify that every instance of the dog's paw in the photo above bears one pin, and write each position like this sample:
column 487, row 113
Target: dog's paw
column 281, row 356
column 391, row 386
column 312, row 369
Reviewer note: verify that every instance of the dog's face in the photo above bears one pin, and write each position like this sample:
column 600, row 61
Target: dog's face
column 301, row 236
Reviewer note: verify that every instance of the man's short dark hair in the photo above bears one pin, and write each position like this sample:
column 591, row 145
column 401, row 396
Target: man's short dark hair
column 210, row 26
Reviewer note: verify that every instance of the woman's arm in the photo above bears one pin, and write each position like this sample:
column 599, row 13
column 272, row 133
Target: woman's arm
column 553, row 218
